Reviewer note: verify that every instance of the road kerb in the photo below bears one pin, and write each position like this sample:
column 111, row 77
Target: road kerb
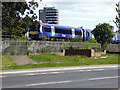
column 57, row 69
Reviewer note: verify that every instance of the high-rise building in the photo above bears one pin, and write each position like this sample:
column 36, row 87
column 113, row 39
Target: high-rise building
column 49, row 15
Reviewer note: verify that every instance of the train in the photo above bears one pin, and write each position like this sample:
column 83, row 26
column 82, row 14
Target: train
column 116, row 38
column 52, row 31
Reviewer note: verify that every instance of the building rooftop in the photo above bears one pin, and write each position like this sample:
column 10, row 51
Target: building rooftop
column 49, row 7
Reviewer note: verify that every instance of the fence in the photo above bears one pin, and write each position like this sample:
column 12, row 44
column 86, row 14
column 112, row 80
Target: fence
column 12, row 47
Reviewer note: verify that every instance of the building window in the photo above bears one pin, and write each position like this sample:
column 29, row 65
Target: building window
column 41, row 11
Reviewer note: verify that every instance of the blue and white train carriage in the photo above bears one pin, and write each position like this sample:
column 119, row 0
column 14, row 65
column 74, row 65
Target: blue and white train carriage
column 60, row 32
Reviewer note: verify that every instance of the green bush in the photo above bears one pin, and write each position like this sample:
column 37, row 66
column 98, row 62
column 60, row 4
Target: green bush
column 78, row 39
column 89, row 47
column 71, row 47
column 24, row 37
column 44, row 38
column 91, row 40
column 106, row 47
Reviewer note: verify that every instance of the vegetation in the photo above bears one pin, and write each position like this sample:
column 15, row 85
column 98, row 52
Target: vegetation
column 117, row 19
column 91, row 41
column 71, row 47
column 78, row 39
column 102, row 33
column 14, row 25
column 65, row 61
column 6, row 60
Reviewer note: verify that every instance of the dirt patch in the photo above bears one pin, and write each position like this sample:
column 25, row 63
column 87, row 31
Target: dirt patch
column 22, row 60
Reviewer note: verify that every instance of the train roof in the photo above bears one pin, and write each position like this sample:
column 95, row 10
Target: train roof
column 63, row 26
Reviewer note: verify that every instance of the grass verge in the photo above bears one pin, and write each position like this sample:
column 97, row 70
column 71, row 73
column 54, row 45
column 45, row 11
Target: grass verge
column 66, row 61
column 6, row 60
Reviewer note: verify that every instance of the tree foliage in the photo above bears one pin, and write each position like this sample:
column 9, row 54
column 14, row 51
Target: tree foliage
column 102, row 33
column 117, row 19
column 91, row 40
column 13, row 24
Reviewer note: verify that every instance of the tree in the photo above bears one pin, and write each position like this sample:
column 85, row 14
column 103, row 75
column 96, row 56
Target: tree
column 102, row 33
column 117, row 19
column 12, row 22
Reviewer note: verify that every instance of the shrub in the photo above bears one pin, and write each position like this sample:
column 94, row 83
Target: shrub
column 78, row 39
column 71, row 47
column 106, row 47
column 91, row 40
column 44, row 38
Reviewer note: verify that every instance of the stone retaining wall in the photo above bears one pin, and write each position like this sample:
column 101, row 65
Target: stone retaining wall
column 22, row 47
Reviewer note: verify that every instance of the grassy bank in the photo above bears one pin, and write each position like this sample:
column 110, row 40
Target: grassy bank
column 7, row 60
column 64, row 61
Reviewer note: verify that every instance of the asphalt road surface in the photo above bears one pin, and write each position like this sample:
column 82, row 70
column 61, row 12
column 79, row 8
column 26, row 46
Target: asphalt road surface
column 81, row 78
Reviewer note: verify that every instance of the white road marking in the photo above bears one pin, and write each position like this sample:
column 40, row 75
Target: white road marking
column 85, row 70
column 43, row 73
column 2, row 76
column 98, row 69
column 59, row 69
column 31, row 74
column 55, row 72
column 48, row 83
column 81, row 70
column 104, row 78
column 88, row 70
column 72, row 81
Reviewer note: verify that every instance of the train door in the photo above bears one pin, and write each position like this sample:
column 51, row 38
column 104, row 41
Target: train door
column 73, row 32
column 52, row 31
column 84, row 34
column 87, row 35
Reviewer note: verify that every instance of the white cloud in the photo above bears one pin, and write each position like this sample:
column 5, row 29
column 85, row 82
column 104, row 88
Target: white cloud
column 86, row 13
column 79, row 0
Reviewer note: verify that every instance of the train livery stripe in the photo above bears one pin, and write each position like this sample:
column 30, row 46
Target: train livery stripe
column 41, row 29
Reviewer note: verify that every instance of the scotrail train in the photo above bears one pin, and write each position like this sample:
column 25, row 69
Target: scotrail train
column 116, row 38
column 59, row 32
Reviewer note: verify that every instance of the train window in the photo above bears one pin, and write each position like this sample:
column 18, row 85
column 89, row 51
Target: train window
column 58, row 30
column 63, row 31
column 78, row 33
column 87, row 34
column 47, row 29
column 68, row 32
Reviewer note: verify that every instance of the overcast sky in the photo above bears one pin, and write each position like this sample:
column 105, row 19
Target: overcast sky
column 86, row 13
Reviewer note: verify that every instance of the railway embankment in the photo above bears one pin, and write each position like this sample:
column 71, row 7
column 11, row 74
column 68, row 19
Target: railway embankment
column 39, row 54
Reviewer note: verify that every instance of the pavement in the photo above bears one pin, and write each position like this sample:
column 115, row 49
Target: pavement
column 58, row 69
column 94, row 76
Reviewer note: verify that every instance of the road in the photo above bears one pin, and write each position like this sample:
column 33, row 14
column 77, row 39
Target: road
column 80, row 78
